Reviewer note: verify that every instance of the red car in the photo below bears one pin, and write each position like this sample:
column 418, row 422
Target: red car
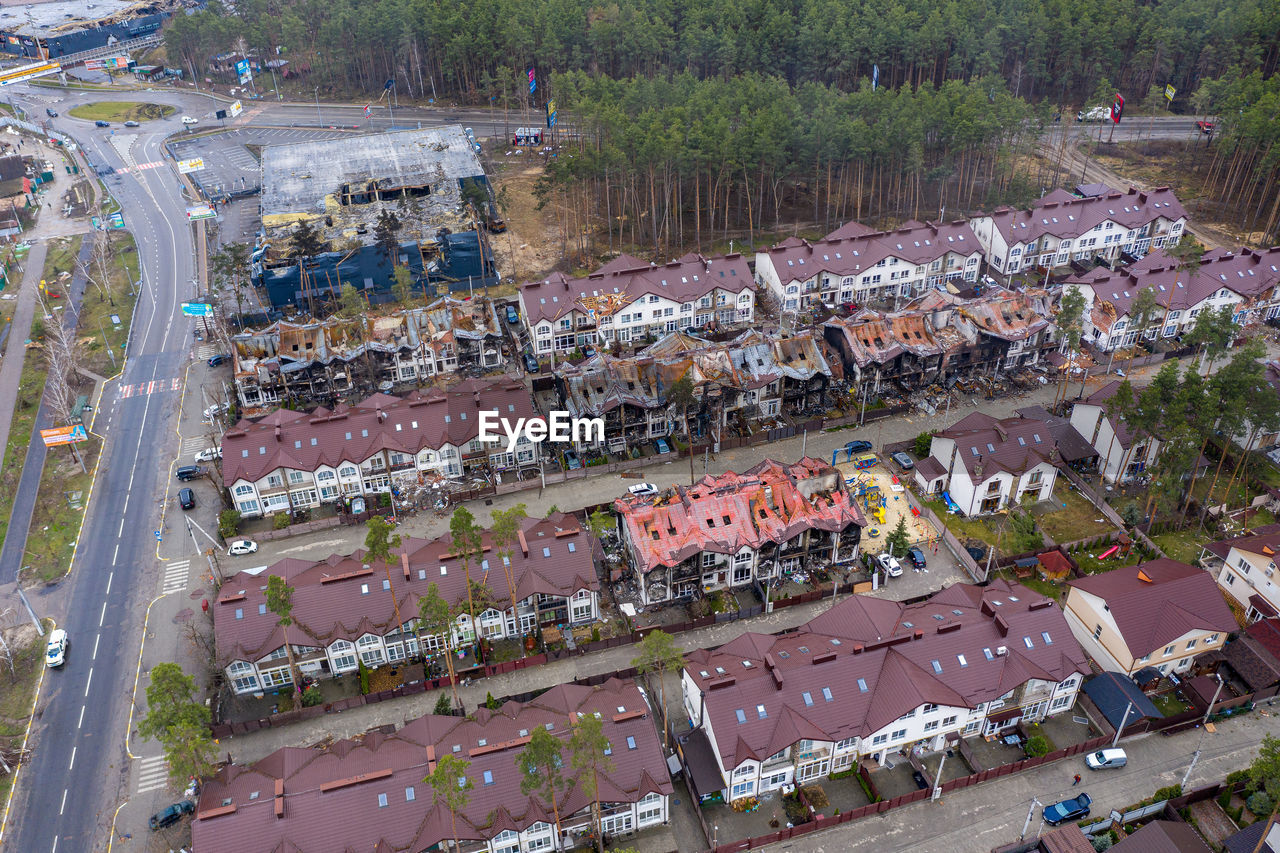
column 1205, row 126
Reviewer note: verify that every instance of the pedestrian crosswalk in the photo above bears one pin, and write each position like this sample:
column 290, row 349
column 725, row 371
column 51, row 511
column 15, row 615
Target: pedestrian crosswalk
column 193, row 445
column 207, row 351
column 175, row 576
column 155, row 386
column 153, row 774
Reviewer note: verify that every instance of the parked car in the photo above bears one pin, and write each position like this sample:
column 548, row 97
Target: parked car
column 189, row 472
column 662, row 445
column 571, row 460
column 220, row 358
column 903, row 460
column 1205, row 126
column 890, row 564
column 240, row 547
column 131, row 123
column 916, row 556
column 172, row 814
column 531, row 363
column 55, row 652
column 186, row 499
column 50, row 112
column 513, row 316
column 209, row 454
column 1073, row 809
column 642, row 490
column 859, row 446
column 101, row 123
column 188, row 121
column 1106, row 758
column 215, row 410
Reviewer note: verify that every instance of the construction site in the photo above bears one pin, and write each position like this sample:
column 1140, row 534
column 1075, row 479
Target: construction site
column 372, row 203
column 61, row 27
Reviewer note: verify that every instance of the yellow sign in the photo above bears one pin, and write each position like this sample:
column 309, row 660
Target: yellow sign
column 195, row 164
column 63, row 435
column 1169, row 92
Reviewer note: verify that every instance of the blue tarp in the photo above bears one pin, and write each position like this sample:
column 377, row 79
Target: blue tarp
column 1113, row 692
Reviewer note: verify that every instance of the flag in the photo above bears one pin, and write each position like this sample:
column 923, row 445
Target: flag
column 1117, row 108
column 875, row 77
column 367, row 110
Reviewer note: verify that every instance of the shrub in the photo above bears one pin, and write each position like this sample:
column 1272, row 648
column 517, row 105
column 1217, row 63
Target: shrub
column 924, row 441
column 384, row 499
column 1224, row 799
column 1102, row 842
column 1167, row 793
column 595, row 633
column 228, row 522
column 443, row 705
column 311, row 697
column 1037, row 745
column 1235, row 813
column 491, row 703
column 280, row 521
column 364, row 677
column 1259, row 803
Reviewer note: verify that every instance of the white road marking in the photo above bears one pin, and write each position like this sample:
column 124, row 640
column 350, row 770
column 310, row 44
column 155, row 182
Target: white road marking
column 110, row 578
column 80, row 722
column 63, row 807
column 55, row 844
column 73, row 758
column 103, row 614
column 175, row 576
column 95, row 646
column 115, row 554
column 153, row 773
column 87, row 682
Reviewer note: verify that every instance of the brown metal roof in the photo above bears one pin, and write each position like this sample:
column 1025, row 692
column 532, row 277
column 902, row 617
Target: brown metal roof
column 1163, row 836
column 986, row 444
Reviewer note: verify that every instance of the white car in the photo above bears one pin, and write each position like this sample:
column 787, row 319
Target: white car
column 209, row 454
column 188, row 121
column 215, row 410
column 642, row 490
column 240, row 547
column 890, row 564
column 55, row 654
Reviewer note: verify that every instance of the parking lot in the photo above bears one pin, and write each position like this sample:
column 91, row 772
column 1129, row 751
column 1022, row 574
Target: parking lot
column 229, row 166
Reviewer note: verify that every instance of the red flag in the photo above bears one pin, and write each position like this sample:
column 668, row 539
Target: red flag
column 1117, row 108
column 366, row 110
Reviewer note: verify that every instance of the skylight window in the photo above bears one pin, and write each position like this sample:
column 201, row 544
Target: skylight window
column 937, row 666
column 1044, row 635
column 761, row 712
column 740, row 714
column 1029, row 644
column 862, row 685
column 826, row 693
column 963, row 662
column 807, row 697
column 987, row 654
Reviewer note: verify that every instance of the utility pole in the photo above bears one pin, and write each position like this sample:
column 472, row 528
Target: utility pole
column 1027, row 824
column 1209, row 710
column 1127, row 709
column 937, row 785
column 1185, row 776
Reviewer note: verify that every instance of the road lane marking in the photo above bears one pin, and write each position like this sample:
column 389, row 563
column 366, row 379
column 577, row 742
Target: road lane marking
column 80, row 722
column 63, row 807
column 103, row 614
column 115, row 554
column 87, row 682
column 73, row 758
column 95, row 646
column 120, row 530
column 110, row 578
column 55, row 844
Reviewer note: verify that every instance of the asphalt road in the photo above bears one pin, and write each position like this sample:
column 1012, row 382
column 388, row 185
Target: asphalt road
column 70, row 788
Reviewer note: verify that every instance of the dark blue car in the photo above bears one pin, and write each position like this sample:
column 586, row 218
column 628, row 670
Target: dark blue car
column 1073, row 809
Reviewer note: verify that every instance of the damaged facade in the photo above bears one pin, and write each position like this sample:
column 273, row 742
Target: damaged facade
column 298, row 460
column 734, row 529
column 628, row 300
column 322, row 359
column 857, row 265
column 1061, row 228
column 940, row 338
column 736, row 384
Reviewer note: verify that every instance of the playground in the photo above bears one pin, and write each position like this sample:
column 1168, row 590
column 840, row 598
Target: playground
column 883, row 498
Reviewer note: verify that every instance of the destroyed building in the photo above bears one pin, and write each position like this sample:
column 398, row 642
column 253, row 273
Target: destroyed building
column 341, row 187
column 737, row 385
column 731, row 530
column 321, row 360
column 941, row 338
column 54, row 29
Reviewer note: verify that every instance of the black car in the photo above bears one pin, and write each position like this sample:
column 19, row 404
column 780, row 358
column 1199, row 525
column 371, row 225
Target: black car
column 172, row 814
column 859, row 446
column 530, row 363
column 1072, row 809
column 186, row 499
column 220, row 358
column 50, row 112
column 101, row 123
column 189, row 472
column 916, row 556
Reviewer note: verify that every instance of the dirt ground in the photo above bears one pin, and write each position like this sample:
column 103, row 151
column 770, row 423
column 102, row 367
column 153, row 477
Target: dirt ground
column 530, row 248
column 895, row 504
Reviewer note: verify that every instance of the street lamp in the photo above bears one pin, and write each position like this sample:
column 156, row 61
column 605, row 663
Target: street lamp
column 318, row 105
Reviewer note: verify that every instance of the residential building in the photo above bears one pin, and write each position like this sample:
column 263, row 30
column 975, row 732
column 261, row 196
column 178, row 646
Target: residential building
column 629, row 301
column 1248, row 575
column 988, row 464
column 1254, row 657
column 1163, row 836
column 939, row 336
column 857, row 265
column 321, row 359
column 737, row 383
column 368, row 793
column 1247, row 282
column 1161, row 613
column 873, row 678
column 1123, row 453
column 1061, row 228
column 1247, row 840
column 348, row 610
column 300, row 460
column 735, row 529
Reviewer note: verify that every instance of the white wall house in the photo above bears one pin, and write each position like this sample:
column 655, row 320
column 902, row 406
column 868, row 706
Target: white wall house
column 1122, row 454
column 1248, row 576
column 989, row 464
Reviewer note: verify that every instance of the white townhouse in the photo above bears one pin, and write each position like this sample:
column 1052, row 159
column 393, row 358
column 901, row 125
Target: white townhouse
column 299, row 460
column 857, row 265
column 1061, row 228
column 348, row 611
column 1248, row 575
column 1122, row 453
column 1246, row 282
column 989, row 464
column 628, row 300
column 873, row 678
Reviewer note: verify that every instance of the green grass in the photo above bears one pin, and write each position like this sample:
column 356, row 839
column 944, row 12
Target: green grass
column 16, row 696
column 121, row 111
column 1180, row 545
column 1040, row 585
column 1090, row 565
column 1069, row 517
column 97, row 308
column 1169, row 704
column 963, row 528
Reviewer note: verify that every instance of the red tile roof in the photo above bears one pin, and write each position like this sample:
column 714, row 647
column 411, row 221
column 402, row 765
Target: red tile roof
column 868, row 661
column 1064, row 215
column 304, row 441
column 328, row 603
column 1265, row 534
column 327, row 798
column 771, row 503
column 1015, row 445
column 1156, row 602
column 850, row 250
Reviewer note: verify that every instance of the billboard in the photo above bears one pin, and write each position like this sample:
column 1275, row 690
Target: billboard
column 28, row 72
column 195, row 164
column 116, row 219
column 63, row 435
column 197, row 309
column 236, row 108
column 106, row 62
column 200, row 211
column 242, row 69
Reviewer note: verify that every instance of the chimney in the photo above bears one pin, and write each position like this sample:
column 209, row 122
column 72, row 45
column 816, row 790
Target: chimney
column 279, row 436
column 1002, row 625
column 382, row 416
column 279, row 798
column 524, row 543
column 476, row 397
column 404, row 563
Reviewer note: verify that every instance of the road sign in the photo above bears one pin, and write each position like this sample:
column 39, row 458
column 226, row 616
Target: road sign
column 200, row 211
column 157, row 535
column 236, row 108
column 197, row 309
column 117, row 219
column 242, row 68
column 63, row 435
column 195, row 164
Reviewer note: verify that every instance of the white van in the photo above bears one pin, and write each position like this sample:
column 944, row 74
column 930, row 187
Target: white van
column 1106, row 758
